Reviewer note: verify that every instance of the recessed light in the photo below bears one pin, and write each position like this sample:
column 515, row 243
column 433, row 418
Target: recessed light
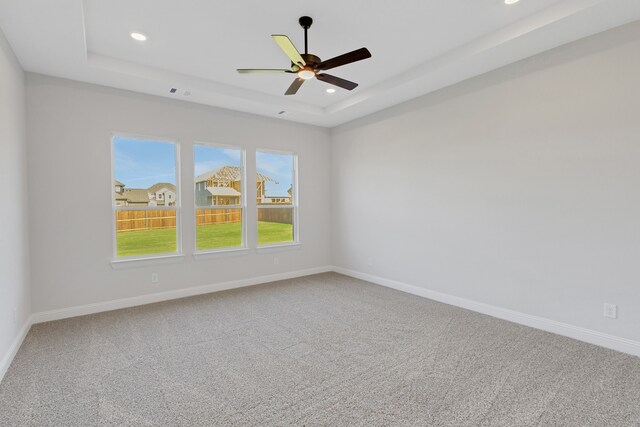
column 138, row 36
column 331, row 90
column 511, row 1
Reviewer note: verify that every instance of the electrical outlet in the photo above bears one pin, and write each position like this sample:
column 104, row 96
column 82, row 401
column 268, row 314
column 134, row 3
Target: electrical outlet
column 370, row 261
column 611, row 311
column 154, row 278
column 276, row 260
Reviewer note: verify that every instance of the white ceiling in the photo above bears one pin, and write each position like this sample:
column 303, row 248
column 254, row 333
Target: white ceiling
column 418, row 46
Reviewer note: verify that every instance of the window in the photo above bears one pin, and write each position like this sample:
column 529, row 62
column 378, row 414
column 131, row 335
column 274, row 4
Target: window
column 276, row 197
column 219, row 201
column 145, row 224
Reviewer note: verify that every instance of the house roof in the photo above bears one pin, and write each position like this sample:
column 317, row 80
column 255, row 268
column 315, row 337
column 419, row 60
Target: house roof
column 116, row 182
column 160, row 186
column 136, row 195
column 230, row 173
column 223, row 191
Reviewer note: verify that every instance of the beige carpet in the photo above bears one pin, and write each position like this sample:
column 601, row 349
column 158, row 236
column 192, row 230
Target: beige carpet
column 320, row 350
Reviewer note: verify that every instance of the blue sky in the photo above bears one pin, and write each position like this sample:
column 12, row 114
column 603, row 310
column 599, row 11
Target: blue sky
column 278, row 167
column 142, row 163
column 208, row 159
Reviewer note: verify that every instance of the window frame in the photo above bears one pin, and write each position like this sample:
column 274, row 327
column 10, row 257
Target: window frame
column 202, row 253
column 294, row 201
column 115, row 259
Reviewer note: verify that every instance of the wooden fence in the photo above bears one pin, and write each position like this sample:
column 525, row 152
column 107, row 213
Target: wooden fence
column 281, row 215
column 145, row 220
column 157, row 219
column 218, row 216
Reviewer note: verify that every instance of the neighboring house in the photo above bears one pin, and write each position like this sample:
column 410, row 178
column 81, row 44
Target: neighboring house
column 222, row 187
column 276, row 200
column 279, row 200
column 120, row 198
column 136, row 197
column 160, row 194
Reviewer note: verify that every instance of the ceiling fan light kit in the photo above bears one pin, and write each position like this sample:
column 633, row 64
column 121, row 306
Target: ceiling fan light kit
column 307, row 66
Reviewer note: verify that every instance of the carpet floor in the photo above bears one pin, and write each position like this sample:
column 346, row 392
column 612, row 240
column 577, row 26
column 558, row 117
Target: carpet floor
column 320, row 350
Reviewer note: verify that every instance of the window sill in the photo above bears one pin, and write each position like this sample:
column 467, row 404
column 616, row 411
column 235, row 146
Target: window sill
column 118, row 264
column 224, row 253
column 278, row 247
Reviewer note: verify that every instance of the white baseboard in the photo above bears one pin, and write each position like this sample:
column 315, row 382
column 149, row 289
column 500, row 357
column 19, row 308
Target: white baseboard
column 46, row 316
column 14, row 347
column 582, row 334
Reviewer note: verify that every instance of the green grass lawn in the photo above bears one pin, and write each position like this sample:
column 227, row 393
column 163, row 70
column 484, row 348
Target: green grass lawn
column 146, row 242
column 218, row 236
column 274, row 232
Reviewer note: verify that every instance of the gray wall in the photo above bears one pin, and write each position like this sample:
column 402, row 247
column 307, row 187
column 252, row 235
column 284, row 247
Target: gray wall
column 70, row 126
column 14, row 252
column 519, row 188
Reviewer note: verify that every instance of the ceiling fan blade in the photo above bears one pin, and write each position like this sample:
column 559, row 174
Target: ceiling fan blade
column 337, row 81
column 289, row 49
column 294, row 86
column 262, row 70
column 347, row 58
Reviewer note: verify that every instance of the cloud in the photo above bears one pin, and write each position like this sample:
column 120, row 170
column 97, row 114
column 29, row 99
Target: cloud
column 152, row 177
column 207, row 166
column 125, row 161
column 275, row 164
column 208, row 158
column 231, row 153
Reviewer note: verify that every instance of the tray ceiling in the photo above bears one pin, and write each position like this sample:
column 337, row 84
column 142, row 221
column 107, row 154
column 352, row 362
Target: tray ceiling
column 196, row 45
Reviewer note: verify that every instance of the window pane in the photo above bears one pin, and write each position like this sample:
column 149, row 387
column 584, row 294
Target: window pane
column 218, row 228
column 145, row 172
column 144, row 232
column 275, row 225
column 144, row 176
column 218, row 176
column 274, row 183
column 274, row 187
column 218, row 197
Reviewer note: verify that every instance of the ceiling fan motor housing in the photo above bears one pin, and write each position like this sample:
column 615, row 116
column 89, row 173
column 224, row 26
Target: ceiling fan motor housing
column 305, row 22
column 311, row 60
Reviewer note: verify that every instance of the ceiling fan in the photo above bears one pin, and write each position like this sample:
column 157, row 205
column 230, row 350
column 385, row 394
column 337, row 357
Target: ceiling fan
column 308, row 66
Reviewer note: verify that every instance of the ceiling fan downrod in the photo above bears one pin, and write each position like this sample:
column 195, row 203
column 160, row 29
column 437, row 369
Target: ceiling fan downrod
column 305, row 22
